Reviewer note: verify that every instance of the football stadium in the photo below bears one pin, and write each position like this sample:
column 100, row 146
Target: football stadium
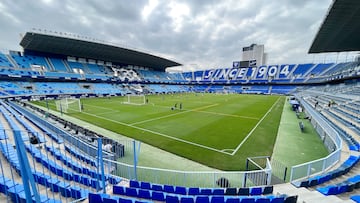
column 87, row 121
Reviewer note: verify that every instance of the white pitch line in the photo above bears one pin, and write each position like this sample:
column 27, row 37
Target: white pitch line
column 229, row 115
column 248, row 135
column 174, row 114
column 157, row 133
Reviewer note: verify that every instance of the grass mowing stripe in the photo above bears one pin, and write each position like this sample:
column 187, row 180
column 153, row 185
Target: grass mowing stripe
column 157, row 133
column 170, row 115
column 248, row 135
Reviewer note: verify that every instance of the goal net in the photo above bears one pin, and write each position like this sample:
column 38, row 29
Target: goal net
column 68, row 105
column 135, row 99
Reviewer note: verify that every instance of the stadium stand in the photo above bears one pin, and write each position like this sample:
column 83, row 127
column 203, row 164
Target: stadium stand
column 66, row 165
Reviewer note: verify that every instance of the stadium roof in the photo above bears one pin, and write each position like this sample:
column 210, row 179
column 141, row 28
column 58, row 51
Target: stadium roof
column 52, row 44
column 340, row 30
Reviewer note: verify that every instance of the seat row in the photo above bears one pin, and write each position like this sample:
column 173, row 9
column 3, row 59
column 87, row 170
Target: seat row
column 176, row 198
column 106, row 198
column 12, row 124
column 79, row 168
column 34, row 121
column 30, row 129
column 16, row 191
column 346, row 186
column 201, row 191
column 320, row 179
column 63, row 172
column 54, row 184
column 80, row 156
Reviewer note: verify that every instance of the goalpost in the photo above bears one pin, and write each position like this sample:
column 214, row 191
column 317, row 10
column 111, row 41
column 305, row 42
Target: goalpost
column 68, row 105
column 135, row 99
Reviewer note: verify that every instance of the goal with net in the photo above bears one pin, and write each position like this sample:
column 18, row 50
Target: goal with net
column 135, row 99
column 68, row 105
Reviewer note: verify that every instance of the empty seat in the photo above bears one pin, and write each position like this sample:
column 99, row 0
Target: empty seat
column 145, row 185
column 180, row 190
column 268, row 190
column 263, row 200
column 156, row 187
column 112, row 199
column 217, row 199
column 169, row 189
column 218, row 191
column 157, row 196
column 144, row 194
column 233, row 200
column 187, row 200
column 231, row 191
column 119, row 190
column 134, row 183
column 194, row 191
column 256, row 191
column 291, row 199
column 244, row 191
column 202, row 199
column 95, row 198
column 204, row 191
column 131, row 192
column 172, row 199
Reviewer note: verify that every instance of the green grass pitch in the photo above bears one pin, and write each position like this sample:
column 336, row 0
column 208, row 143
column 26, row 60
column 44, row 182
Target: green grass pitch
column 220, row 131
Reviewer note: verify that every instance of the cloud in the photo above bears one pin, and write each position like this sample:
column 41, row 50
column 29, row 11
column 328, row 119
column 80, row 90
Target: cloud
column 204, row 32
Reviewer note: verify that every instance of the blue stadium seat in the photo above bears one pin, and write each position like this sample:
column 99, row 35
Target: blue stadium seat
column 145, row 185
column 180, row 190
column 187, row 200
column 65, row 189
column 328, row 190
column 157, row 196
column 263, row 200
column 278, row 200
column 205, row 191
column 95, row 198
column 144, row 194
column 119, row 190
column 244, row 191
column 268, row 190
column 194, row 191
column 202, row 199
column 172, row 199
column 169, row 189
column 131, row 192
column 256, row 191
column 124, row 200
column 217, row 199
column 218, row 191
column 237, row 200
column 134, row 183
column 111, row 199
column 231, row 191
column 156, row 187
column 355, row 198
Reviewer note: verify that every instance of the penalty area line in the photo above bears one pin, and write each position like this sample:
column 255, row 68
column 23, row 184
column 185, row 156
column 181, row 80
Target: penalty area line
column 252, row 130
column 158, row 133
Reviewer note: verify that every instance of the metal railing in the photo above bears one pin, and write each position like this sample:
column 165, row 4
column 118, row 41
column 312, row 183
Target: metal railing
column 330, row 138
column 189, row 178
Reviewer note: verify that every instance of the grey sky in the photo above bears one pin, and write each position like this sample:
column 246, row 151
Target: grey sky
column 209, row 33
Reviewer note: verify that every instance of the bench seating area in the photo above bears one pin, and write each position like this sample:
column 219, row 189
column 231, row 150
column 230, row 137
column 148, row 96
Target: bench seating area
column 346, row 186
column 320, row 179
